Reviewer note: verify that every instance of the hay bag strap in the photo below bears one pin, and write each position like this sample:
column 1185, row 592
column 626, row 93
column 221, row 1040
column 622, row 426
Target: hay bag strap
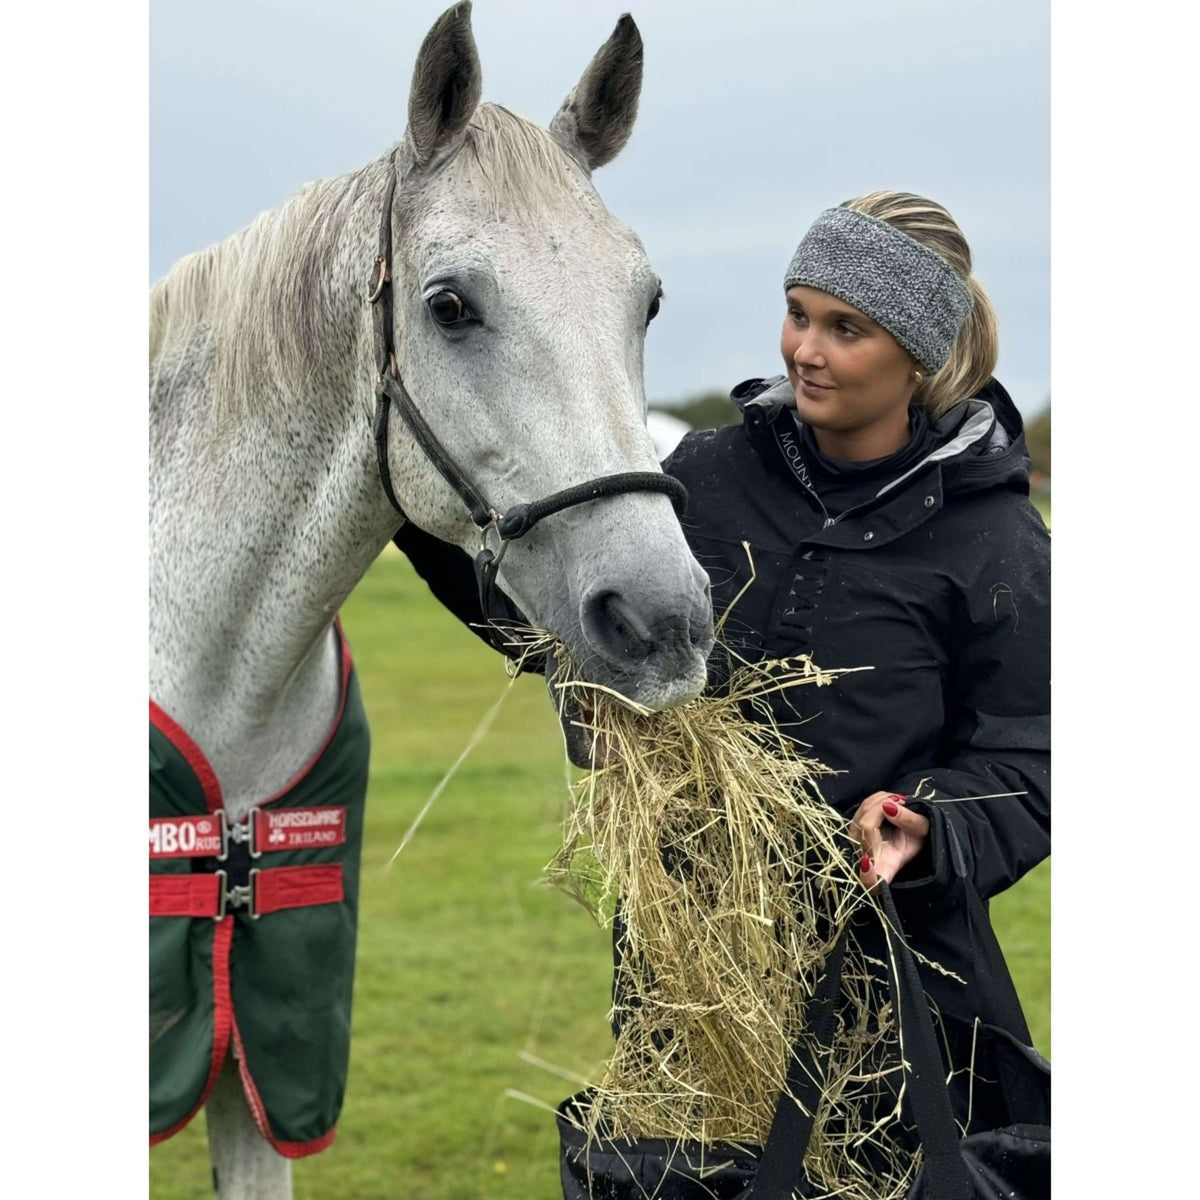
column 945, row 1174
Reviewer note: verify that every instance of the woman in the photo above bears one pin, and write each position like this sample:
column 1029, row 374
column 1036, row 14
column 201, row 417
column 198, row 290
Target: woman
column 881, row 486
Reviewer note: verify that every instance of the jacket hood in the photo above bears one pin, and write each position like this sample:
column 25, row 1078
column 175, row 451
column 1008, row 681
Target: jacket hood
column 980, row 441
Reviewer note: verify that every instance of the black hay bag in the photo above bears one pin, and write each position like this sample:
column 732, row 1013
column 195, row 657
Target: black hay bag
column 1001, row 1163
column 615, row 1169
column 1005, row 1155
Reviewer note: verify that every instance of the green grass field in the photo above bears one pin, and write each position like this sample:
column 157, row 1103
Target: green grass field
column 468, row 965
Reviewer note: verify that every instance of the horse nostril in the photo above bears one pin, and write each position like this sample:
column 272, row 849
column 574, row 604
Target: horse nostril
column 613, row 623
column 700, row 627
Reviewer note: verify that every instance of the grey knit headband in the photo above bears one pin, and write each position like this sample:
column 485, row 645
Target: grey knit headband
column 915, row 294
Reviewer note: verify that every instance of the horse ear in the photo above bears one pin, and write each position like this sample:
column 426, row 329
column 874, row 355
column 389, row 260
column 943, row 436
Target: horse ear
column 596, row 119
column 446, row 85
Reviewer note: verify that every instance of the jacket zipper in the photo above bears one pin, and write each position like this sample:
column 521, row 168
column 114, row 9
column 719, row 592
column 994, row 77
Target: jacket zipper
column 812, row 491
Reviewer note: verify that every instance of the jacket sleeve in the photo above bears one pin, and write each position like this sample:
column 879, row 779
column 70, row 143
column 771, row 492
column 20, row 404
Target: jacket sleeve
column 450, row 575
column 998, row 727
column 447, row 571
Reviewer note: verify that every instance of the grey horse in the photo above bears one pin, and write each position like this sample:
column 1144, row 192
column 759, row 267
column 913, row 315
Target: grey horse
column 266, row 503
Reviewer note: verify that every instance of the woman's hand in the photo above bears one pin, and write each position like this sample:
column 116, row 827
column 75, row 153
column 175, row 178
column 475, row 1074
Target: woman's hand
column 888, row 834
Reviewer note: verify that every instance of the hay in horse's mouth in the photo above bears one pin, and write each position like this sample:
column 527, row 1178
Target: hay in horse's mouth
column 734, row 878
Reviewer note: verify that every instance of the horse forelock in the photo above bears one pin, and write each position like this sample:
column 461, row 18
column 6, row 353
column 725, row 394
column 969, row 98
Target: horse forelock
column 518, row 166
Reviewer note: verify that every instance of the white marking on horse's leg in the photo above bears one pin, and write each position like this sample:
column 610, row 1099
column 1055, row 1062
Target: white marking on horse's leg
column 246, row 1166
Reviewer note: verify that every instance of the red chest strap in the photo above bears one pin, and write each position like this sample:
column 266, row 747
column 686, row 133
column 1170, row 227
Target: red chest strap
column 272, row 889
column 187, row 895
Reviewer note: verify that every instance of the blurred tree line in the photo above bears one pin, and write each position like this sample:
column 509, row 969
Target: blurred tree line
column 1037, row 434
column 709, row 410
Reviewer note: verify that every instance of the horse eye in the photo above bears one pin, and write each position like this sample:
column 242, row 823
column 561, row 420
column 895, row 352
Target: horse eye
column 446, row 308
column 655, row 305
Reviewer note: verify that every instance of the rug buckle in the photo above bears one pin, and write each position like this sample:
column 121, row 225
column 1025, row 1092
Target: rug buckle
column 237, row 833
column 241, row 895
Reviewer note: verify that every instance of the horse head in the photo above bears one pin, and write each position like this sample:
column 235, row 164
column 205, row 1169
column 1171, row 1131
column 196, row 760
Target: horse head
column 520, row 309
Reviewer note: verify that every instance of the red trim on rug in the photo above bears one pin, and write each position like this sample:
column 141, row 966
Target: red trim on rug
column 258, row 1111
column 222, row 1021
column 179, row 738
column 347, row 664
column 277, row 888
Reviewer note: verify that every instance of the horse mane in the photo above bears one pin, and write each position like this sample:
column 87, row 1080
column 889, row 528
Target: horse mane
column 266, row 295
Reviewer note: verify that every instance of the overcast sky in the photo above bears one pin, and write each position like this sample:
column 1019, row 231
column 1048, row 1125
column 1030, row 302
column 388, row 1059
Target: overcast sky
column 754, row 117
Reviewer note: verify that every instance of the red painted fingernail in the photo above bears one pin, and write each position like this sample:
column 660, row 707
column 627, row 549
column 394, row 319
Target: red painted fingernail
column 865, row 864
column 899, row 799
column 890, row 808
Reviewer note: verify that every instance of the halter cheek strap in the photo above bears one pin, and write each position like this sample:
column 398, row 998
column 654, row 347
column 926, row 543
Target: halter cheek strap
column 520, row 518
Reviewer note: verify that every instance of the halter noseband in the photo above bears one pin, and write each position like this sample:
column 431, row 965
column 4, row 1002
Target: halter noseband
column 520, row 518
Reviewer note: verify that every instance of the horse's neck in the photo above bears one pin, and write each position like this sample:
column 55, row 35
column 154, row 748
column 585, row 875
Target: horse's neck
column 257, row 535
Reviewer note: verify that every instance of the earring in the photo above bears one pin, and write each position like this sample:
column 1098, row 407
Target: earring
column 918, row 376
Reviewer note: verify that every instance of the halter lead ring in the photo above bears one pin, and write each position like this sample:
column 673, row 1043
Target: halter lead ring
column 520, row 518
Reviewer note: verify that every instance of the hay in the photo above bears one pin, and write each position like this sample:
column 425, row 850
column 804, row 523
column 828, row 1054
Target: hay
column 734, row 880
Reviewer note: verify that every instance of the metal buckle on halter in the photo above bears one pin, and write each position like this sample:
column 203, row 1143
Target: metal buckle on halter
column 381, row 278
column 493, row 524
column 487, row 563
column 240, row 896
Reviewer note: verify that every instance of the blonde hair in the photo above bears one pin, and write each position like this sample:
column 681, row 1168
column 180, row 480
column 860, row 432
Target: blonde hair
column 973, row 358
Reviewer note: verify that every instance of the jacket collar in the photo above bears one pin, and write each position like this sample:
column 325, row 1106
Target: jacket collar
column 983, row 446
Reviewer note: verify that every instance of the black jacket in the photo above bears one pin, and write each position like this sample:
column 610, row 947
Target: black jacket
column 940, row 584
